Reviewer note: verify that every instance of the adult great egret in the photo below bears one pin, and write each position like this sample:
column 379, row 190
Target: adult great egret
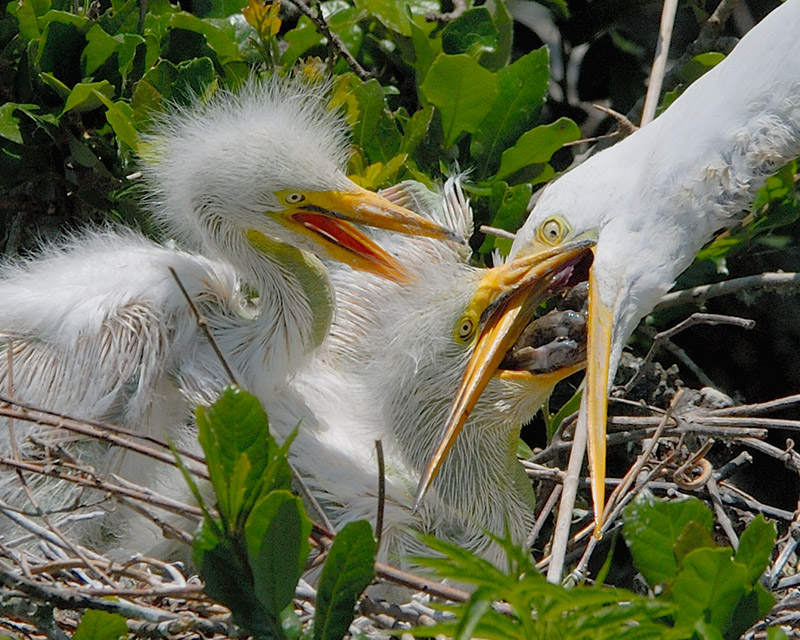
column 395, row 356
column 255, row 181
column 658, row 196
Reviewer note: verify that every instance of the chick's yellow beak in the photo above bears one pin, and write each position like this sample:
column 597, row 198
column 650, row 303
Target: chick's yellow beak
column 328, row 217
column 509, row 295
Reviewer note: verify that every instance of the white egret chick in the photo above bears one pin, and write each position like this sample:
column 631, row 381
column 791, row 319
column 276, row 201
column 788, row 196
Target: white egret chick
column 395, row 358
column 255, row 181
column 659, row 195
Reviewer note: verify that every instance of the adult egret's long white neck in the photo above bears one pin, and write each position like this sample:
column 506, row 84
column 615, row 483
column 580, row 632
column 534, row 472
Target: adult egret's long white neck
column 658, row 196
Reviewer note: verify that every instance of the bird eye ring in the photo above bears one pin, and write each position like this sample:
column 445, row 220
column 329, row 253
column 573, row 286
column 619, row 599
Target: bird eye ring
column 294, row 198
column 465, row 328
column 552, row 231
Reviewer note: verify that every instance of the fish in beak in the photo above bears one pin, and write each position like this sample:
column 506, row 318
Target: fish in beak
column 507, row 298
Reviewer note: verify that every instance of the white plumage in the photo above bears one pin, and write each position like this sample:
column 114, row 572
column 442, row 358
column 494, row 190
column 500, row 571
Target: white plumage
column 657, row 197
column 98, row 326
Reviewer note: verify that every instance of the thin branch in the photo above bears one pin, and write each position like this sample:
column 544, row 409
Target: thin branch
column 764, row 282
column 202, row 323
column 381, row 494
column 660, row 62
column 334, row 41
column 499, row 233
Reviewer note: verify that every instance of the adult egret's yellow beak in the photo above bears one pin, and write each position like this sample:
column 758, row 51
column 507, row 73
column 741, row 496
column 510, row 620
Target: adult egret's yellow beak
column 599, row 331
column 507, row 298
column 328, row 218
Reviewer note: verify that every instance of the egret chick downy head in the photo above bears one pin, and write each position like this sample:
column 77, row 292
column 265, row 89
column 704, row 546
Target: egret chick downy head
column 270, row 158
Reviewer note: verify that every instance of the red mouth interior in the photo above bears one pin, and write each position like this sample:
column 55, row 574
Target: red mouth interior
column 334, row 231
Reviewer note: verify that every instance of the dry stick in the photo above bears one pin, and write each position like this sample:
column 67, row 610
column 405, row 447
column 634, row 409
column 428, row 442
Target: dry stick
column 334, row 41
column 663, row 337
column 203, row 324
column 83, row 428
column 98, row 424
column 768, row 281
column 722, row 517
column 561, row 534
column 499, row 233
column 760, row 407
column 29, row 493
column 381, row 495
column 660, row 61
column 543, row 515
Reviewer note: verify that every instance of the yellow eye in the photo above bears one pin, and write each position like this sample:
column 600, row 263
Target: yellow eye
column 465, row 329
column 294, row 198
column 552, row 231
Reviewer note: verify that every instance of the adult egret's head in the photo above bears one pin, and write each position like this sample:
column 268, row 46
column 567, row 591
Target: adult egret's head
column 270, row 159
column 658, row 196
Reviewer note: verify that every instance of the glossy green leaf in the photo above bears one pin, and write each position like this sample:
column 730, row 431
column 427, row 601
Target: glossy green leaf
column 101, row 625
column 693, row 536
column 776, row 633
column 708, row 587
column 9, row 123
column 537, row 146
column 375, row 131
column 462, row 90
column 521, row 90
column 755, row 547
column 504, row 24
column 301, row 39
column 426, row 49
column 277, row 533
column 651, row 529
column 234, row 434
column 219, row 41
column 415, row 129
column 472, row 33
column 120, row 117
column 392, row 14
column 100, row 46
column 26, row 12
column 88, row 95
column 510, row 208
column 348, row 570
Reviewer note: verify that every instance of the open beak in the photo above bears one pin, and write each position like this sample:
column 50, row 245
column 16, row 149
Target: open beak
column 514, row 291
column 329, row 217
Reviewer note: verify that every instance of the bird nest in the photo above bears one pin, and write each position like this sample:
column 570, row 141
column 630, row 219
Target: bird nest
column 663, row 437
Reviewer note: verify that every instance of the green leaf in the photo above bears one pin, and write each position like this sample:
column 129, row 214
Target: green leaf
column 521, row 90
column 504, row 24
column 510, row 207
column 462, row 90
column 694, row 536
column 120, row 117
column 277, row 533
column 349, row 569
column 86, row 96
column 472, row 33
column 392, row 14
column 219, row 41
column 708, row 587
column 651, row 529
column 101, row 625
column 26, row 12
column 537, row 146
column 755, row 547
column 426, row 49
column 375, row 131
column 754, row 606
column 60, row 47
column 9, row 123
column 698, row 65
column 234, row 434
column 776, row 633
column 300, row 39
column 99, row 47
column 415, row 128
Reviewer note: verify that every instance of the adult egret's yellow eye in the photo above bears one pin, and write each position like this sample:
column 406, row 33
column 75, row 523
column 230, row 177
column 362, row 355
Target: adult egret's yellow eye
column 294, row 198
column 465, row 329
column 552, row 231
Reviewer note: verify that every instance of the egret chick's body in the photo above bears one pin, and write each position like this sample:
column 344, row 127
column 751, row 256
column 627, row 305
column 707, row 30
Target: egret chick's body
column 658, row 196
column 395, row 358
column 250, row 183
